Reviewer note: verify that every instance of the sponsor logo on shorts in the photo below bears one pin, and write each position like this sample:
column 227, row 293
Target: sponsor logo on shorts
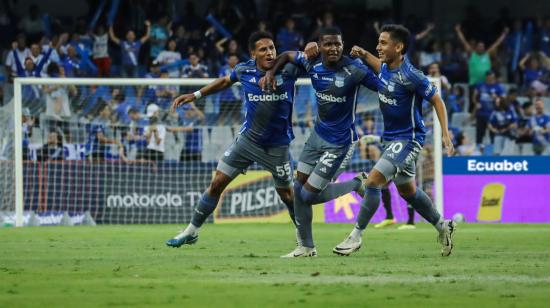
column 267, row 97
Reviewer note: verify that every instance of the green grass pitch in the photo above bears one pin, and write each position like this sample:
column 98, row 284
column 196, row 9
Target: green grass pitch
column 239, row 265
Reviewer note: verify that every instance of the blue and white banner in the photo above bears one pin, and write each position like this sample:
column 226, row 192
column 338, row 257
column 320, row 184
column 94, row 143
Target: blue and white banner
column 496, row 165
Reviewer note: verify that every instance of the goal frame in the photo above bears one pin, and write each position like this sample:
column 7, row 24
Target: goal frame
column 18, row 83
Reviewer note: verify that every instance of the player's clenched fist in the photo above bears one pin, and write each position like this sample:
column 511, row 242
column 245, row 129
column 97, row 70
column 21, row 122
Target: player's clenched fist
column 357, row 51
column 311, row 50
column 182, row 100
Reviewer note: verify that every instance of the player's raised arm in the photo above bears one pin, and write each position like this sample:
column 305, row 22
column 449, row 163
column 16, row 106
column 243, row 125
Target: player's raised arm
column 267, row 82
column 213, row 87
column 441, row 112
column 368, row 57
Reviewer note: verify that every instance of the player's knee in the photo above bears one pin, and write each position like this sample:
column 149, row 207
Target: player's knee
column 407, row 193
column 308, row 196
column 216, row 187
column 286, row 195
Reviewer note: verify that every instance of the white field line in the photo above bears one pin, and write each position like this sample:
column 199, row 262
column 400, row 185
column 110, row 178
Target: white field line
column 375, row 279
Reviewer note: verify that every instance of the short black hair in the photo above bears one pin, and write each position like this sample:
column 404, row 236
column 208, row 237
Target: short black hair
column 329, row 31
column 527, row 105
column 398, row 33
column 256, row 36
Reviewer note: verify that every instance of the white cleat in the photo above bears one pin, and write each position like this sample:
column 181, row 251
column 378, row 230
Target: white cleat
column 348, row 246
column 445, row 237
column 301, row 251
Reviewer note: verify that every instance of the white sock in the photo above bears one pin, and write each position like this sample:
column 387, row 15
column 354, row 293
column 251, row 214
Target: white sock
column 356, row 233
column 190, row 230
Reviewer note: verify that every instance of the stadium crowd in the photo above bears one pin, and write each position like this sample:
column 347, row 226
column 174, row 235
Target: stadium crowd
column 495, row 83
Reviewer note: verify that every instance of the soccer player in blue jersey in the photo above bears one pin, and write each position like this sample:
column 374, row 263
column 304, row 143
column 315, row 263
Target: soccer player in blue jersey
column 336, row 80
column 401, row 104
column 264, row 137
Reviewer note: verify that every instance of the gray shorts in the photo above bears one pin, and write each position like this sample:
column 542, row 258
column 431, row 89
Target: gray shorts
column 324, row 161
column 244, row 152
column 398, row 161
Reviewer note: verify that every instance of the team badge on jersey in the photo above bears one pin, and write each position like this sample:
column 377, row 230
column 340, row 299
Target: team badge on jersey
column 391, row 86
column 339, row 81
column 278, row 80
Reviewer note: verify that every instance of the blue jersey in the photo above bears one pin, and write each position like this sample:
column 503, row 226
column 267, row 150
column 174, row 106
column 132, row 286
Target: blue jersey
column 336, row 95
column 401, row 102
column 500, row 119
column 97, row 126
column 268, row 119
column 486, row 98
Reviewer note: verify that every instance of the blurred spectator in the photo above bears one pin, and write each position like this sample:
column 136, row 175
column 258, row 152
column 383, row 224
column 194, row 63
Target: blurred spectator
column 541, row 137
column 160, row 32
column 71, row 63
column 288, row 38
column 194, row 69
column 155, row 135
column 230, row 99
column 52, row 149
column 327, row 21
column 28, row 122
column 431, row 54
column 169, row 56
column 58, row 110
column 525, row 127
column 232, row 48
column 485, row 98
column 479, row 62
column 535, row 77
column 130, row 50
column 452, row 62
column 544, row 36
column 32, row 24
column 101, row 136
column 369, row 148
column 511, row 100
column 189, row 118
column 100, row 51
column 165, row 93
column 519, row 43
column 466, row 147
column 21, row 53
column 433, row 71
column 502, row 123
column 182, row 39
column 135, row 138
column 456, row 101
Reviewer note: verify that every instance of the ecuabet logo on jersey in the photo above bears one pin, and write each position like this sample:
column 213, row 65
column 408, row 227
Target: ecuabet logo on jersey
column 339, row 81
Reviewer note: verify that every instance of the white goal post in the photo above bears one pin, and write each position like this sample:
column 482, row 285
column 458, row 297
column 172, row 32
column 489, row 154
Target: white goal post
column 19, row 83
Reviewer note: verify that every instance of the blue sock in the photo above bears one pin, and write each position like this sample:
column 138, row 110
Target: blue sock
column 369, row 205
column 206, row 206
column 424, row 206
column 304, row 216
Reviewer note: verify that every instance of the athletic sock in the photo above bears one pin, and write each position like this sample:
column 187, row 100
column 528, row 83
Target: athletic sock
column 304, row 216
column 386, row 201
column 369, row 205
column 190, row 230
column 206, row 206
column 410, row 211
column 424, row 206
column 335, row 190
column 290, row 208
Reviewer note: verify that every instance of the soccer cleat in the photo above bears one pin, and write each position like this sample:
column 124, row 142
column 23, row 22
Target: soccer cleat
column 184, row 240
column 445, row 237
column 301, row 251
column 362, row 176
column 406, row 227
column 348, row 246
column 385, row 223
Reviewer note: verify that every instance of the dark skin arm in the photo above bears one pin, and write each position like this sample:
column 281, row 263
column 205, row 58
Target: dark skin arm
column 267, row 83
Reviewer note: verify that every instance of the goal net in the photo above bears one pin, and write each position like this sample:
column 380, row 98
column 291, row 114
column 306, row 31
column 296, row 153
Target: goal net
column 111, row 151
